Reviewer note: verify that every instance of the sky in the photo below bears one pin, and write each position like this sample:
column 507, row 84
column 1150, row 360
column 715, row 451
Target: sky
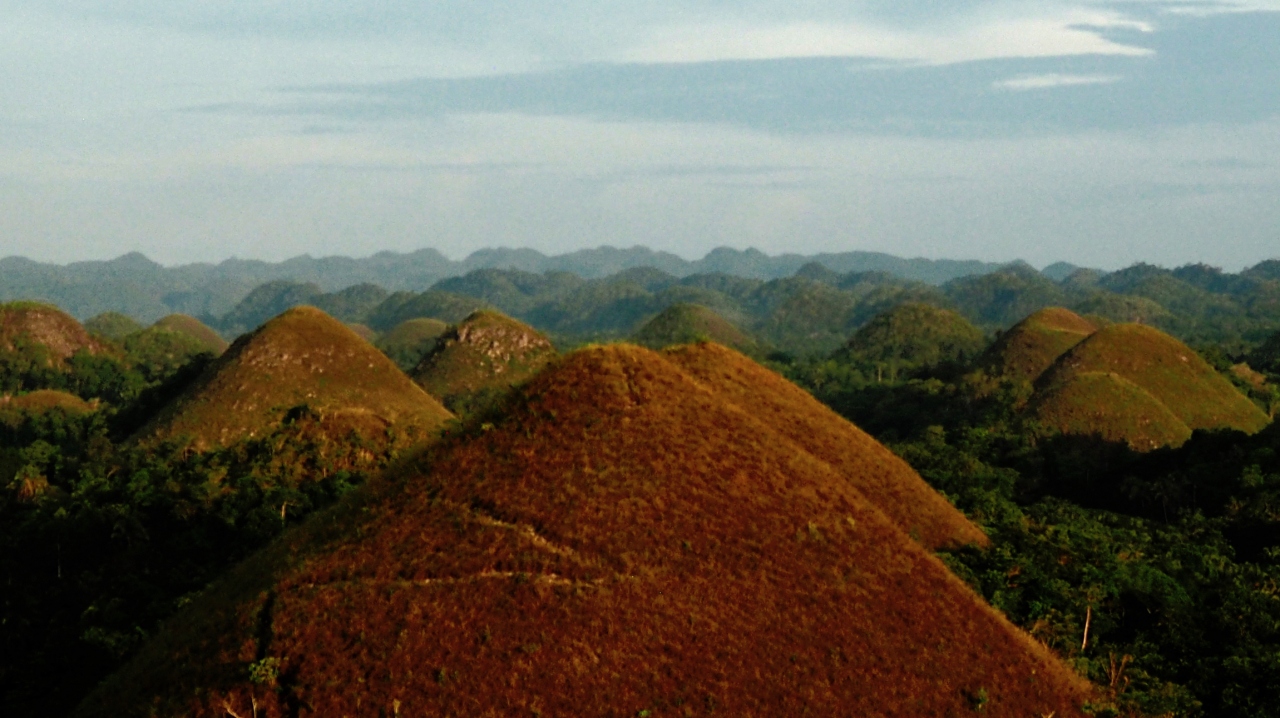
column 1098, row 133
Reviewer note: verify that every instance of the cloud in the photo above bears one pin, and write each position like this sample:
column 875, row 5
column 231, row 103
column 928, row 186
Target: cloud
column 1052, row 80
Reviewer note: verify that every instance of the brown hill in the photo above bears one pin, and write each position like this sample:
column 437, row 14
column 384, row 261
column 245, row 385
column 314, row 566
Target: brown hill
column 407, row 342
column 1108, row 405
column 688, row 323
column 194, row 328
column 1165, row 368
column 1032, row 345
column 303, row 356
column 30, row 324
column 44, row 400
column 481, row 358
column 622, row 542
column 886, row 480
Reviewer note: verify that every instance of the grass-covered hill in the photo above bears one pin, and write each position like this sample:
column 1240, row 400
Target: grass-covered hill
column 1032, row 345
column 1106, row 404
column 914, row 334
column 302, row 357
column 112, row 325
column 688, row 323
column 208, row 339
column 480, row 359
column 45, row 329
column 886, row 481
column 1145, row 358
column 44, row 400
column 622, row 541
column 407, row 342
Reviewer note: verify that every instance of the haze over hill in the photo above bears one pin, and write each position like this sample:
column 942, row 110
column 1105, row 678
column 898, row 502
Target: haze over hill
column 623, row 541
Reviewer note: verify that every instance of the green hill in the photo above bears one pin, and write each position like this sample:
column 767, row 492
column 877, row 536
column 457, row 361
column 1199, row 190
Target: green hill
column 689, row 323
column 1112, row 407
column 481, row 358
column 1032, row 345
column 210, row 340
column 1165, row 368
column 407, row 342
column 912, row 335
column 112, row 325
column 623, row 542
column 302, row 357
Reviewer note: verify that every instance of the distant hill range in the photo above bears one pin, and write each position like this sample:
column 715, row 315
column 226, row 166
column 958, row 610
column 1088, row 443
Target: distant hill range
column 135, row 285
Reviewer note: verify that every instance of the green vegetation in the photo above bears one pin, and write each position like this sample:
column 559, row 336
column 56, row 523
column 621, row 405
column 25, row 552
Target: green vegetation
column 112, row 325
column 909, row 337
column 690, row 323
column 407, row 342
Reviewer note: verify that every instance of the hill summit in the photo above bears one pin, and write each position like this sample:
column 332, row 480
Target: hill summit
column 914, row 334
column 31, row 325
column 689, row 323
column 480, row 358
column 623, row 541
column 1032, row 345
column 1114, row 381
column 303, row 356
column 206, row 337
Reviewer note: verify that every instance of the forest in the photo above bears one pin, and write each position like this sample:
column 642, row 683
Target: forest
column 1142, row 547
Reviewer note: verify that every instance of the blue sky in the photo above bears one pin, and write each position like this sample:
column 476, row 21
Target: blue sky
column 1096, row 133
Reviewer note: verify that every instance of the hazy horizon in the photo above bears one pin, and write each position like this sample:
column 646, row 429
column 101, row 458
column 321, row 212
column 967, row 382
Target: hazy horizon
column 1096, row 133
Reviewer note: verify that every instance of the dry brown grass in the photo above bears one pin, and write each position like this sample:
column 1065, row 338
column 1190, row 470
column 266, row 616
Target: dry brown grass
column 1032, row 345
column 886, row 480
column 1112, row 407
column 44, row 400
column 623, row 542
column 303, row 356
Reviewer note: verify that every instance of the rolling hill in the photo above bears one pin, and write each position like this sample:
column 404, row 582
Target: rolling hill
column 914, row 334
column 1163, row 367
column 407, row 342
column 481, row 358
column 622, row 542
column 30, row 325
column 210, row 340
column 1032, row 345
column 303, row 356
column 688, row 323
column 1112, row 407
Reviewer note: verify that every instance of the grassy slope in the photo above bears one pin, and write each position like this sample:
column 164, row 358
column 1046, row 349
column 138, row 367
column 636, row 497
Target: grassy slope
column 1167, row 369
column 45, row 399
column 44, row 325
column 302, row 356
column 1107, row 404
column 196, row 329
column 487, row 351
column 915, row 332
column 1032, row 345
column 623, row 542
column 887, row 481
column 407, row 342
column 686, row 323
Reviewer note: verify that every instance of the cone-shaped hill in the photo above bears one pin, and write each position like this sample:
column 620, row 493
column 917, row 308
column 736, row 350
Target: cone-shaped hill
column 1032, row 345
column 44, row 400
column 207, row 338
column 1154, row 362
column 481, row 358
column 112, row 325
column 31, row 325
column 915, row 334
column 622, row 542
column 407, row 342
column 1108, row 405
column 689, row 323
column 886, row 480
column 303, row 356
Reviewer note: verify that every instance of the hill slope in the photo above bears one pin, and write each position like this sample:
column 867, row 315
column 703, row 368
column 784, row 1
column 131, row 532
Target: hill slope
column 886, row 480
column 482, row 357
column 1110, row 406
column 688, row 323
column 1032, row 345
column 1165, row 368
column 622, row 543
column 302, row 356
column 407, row 342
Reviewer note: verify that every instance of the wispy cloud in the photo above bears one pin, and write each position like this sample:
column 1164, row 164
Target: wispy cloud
column 1052, row 80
